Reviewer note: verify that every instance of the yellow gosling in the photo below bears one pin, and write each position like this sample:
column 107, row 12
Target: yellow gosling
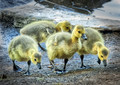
column 67, row 45
column 40, row 30
column 94, row 45
column 24, row 48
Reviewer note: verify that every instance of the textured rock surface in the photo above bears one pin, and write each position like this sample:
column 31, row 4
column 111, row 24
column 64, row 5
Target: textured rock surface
column 19, row 16
column 77, row 4
column 12, row 3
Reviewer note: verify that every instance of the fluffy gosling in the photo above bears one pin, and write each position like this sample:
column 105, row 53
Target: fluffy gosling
column 40, row 30
column 67, row 45
column 24, row 48
column 94, row 45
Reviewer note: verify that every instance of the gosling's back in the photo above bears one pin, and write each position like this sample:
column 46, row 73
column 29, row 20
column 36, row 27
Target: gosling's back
column 64, row 48
column 60, row 37
column 19, row 47
column 39, row 30
column 93, row 36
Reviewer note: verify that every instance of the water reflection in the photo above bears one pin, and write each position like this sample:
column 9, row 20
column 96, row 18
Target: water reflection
column 82, row 6
column 110, row 10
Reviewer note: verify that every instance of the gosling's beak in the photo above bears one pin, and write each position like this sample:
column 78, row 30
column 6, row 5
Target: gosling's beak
column 99, row 61
column 84, row 36
column 105, row 63
column 70, row 31
column 39, row 65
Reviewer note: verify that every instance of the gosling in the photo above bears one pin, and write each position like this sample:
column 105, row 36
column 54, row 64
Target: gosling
column 94, row 45
column 24, row 48
column 67, row 45
column 40, row 30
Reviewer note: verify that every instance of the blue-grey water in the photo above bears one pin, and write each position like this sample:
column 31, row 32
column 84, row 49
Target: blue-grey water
column 109, row 10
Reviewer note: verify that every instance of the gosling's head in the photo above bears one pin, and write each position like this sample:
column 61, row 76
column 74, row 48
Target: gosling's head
column 79, row 31
column 103, row 55
column 36, row 59
column 65, row 26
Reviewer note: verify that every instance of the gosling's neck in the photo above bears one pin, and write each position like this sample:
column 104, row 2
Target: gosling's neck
column 97, row 47
column 58, row 28
column 74, row 38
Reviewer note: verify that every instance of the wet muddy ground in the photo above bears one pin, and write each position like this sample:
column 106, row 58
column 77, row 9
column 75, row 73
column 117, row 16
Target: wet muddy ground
column 97, row 75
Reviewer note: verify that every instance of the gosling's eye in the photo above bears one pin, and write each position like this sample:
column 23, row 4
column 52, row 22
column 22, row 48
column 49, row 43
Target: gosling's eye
column 101, row 56
column 67, row 27
column 78, row 31
column 34, row 59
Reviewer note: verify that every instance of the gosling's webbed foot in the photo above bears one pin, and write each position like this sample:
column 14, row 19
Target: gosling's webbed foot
column 57, row 69
column 17, row 68
column 60, row 72
column 85, row 67
column 82, row 66
column 27, row 73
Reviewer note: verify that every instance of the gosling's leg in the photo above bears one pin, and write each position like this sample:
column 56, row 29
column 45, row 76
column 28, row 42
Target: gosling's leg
column 65, row 62
column 53, row 65
column 82, row 64
column 28, row 70
column 64, row 69
column 15, row 67
column 41, row 47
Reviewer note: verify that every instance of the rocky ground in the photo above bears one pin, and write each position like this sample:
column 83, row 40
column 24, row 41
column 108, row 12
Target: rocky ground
column 97, row 75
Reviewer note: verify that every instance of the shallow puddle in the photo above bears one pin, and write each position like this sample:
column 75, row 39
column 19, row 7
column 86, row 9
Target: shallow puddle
column 109, row 10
